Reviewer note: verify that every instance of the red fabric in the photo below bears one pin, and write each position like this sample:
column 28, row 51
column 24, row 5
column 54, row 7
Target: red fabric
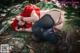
column 28, row 10
column 14, row 24
column 26, row 13
column 28, row 25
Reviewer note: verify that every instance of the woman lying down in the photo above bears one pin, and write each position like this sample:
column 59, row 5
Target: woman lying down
column 42, row 23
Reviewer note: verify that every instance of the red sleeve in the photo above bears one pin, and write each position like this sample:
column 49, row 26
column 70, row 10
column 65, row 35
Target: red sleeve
column 14, row 24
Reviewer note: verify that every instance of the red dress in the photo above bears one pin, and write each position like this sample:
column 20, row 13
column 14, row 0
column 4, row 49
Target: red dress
column 26, row 13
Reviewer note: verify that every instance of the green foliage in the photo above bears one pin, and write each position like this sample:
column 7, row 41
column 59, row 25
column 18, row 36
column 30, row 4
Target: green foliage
column 48, row 5
column 72, row 15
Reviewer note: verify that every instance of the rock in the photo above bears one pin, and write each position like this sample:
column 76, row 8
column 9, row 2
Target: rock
column 17, row 43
